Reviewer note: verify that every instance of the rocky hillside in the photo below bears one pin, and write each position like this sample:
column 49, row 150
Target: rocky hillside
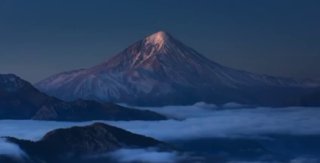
column 83, row 143
column 20, row 100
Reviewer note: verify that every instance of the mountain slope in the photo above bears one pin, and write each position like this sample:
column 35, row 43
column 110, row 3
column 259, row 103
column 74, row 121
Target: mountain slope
column 20, row 100
column 160, row 70
column 84, row 144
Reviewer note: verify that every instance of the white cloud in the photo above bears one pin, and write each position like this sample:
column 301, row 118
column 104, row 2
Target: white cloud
column 144, row 155
column 196, row 122
column 199, row 122
column 29, row 129
column 202, row 123
column 10, row 149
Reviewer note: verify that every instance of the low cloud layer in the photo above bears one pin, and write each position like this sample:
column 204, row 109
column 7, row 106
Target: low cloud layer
column 190, row 122
column 203, row 122
column 144, row 155
column 10, row 149
column 199, row 121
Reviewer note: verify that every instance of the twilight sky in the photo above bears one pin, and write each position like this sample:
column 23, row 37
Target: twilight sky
column 279, row 37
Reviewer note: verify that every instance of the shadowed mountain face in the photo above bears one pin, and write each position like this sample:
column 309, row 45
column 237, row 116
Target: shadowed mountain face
column 160, row 70
column 312, row 99
column 20, row 100
column 80, row 143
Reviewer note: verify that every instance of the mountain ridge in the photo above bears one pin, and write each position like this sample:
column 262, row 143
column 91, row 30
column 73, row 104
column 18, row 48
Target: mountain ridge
column 161, row 70
column 20, row 100
column 91, row 143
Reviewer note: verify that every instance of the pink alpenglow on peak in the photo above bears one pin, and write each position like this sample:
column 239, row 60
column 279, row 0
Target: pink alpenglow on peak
column 158, row 39
column 161, row 70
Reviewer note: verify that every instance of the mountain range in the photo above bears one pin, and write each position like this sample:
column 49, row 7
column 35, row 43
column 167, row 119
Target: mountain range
column 20, row 100
column 161, row 70
column 85, row 144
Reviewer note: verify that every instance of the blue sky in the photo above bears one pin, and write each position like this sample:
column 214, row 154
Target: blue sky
column 278, row 37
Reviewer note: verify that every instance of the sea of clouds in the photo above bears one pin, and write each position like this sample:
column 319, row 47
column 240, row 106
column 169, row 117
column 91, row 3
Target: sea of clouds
column 145, row 155
column 188, row 122
column 193, row 122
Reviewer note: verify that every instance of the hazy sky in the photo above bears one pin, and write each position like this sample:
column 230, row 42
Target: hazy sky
column 279, row 37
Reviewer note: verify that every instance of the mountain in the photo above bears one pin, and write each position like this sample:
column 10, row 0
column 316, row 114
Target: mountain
column 160, row 70
column 20, row 100
column 78, row 144
column 97, row 142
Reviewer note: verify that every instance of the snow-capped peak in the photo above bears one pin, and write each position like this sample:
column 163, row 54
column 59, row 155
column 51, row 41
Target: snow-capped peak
column 158, row 39
column 160, row 69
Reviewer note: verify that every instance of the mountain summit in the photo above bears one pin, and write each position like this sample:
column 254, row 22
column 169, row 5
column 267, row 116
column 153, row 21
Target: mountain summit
column 161, row 70
column 158, row 39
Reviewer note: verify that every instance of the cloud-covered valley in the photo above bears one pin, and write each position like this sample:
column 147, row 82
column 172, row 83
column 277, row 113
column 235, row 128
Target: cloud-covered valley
column 188, row 123
column 194, row 122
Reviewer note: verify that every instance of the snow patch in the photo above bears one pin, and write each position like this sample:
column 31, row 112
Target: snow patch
column 159, row 39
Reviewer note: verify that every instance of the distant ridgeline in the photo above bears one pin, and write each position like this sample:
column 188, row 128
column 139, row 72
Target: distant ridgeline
column 20, row 100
